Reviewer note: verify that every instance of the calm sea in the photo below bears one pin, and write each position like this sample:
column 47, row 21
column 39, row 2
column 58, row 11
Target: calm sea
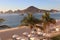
column 14, row 20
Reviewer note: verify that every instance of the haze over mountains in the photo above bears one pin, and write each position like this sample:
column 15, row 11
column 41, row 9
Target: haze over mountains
column 31, row 9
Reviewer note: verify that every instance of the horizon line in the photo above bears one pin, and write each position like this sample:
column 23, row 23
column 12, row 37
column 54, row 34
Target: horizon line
column 26, row 8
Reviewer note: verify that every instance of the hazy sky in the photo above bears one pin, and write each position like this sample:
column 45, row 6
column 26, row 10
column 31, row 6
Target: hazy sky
column 22, row 4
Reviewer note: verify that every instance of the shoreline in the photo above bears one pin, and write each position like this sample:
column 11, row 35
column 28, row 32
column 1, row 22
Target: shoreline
column 8, row 29
column 7, row 33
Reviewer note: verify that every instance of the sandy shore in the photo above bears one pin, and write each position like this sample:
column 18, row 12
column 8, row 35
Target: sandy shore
column 7, row 33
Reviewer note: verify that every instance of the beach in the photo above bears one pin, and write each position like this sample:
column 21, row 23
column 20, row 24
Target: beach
column 7, row 33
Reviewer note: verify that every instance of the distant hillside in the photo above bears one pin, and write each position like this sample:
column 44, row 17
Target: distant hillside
column 33, row 9
column 30, row 9
column 17, row 11
column 53, row 10
column 9, row 11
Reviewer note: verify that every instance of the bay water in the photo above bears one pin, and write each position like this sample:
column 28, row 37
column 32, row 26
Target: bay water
column 14, row 19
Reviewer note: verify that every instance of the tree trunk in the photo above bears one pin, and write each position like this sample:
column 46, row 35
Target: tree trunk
column 44, row 28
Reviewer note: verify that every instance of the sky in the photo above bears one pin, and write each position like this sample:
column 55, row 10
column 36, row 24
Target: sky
column 23, row 4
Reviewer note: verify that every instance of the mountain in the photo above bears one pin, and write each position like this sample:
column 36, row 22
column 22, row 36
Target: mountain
column 17, row 11
column 9, row 11
column 1, row 12
column 33, row 9
column 30, row 9
column 53, row 10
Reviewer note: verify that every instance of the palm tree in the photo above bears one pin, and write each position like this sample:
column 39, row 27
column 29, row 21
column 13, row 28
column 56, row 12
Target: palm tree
column 30, row 20
column 47, row 20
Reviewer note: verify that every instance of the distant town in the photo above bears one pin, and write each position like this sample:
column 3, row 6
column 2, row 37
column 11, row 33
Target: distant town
column 31, row 9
